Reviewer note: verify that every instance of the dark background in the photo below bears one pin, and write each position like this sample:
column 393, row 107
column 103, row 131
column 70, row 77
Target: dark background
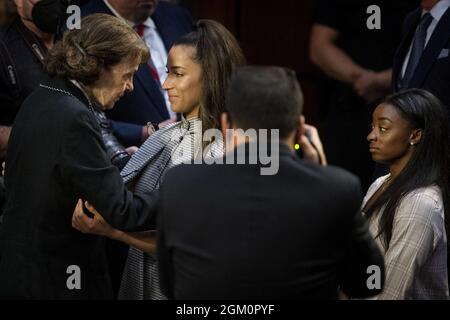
column 270, row 33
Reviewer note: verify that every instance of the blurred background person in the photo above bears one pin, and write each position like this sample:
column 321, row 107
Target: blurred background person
column 357, row 62
column 23, row 47
column 422, row 60
column 408, row 208
column 160, row 24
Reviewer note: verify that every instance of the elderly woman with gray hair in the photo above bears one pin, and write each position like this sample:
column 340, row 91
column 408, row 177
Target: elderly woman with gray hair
column 56, row 155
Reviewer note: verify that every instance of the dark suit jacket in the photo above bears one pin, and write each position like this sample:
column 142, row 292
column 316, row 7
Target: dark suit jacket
column 146, row 102
column 56, row 155
column 226, row 232
column 433, row 70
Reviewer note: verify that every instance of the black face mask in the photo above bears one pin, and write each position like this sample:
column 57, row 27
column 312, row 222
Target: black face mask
column 49, row 15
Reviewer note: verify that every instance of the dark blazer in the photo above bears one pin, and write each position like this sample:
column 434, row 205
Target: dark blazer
column 433, row 70
column 56, row 155
column 146, row 102
column 226, row 232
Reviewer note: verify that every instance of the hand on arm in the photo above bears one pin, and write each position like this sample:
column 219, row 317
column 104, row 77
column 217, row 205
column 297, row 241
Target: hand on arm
column 4, row 138
column 150, row 129
column 331, row 59
column 372, row 86
column 144, row 241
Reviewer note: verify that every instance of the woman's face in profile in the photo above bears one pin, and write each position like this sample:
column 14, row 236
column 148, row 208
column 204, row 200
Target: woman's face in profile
column 113, row 83
column 390, row 136
column 184, row 81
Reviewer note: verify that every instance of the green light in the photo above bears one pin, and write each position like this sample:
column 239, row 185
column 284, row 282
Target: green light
column 297, row 146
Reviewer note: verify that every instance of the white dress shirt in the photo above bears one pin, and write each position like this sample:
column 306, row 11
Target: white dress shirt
column 436, row 12
column 158, row 51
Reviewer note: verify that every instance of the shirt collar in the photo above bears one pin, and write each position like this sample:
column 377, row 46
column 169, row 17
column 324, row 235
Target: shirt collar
column 438, row 10
column 114, row 11
column 191, row 124
column 149, row 23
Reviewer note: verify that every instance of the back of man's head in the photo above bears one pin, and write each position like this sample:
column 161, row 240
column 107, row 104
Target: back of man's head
column 265, row 98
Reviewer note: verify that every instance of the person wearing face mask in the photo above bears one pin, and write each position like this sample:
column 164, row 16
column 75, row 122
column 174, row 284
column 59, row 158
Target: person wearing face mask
column 56, row 155
column 23, row 47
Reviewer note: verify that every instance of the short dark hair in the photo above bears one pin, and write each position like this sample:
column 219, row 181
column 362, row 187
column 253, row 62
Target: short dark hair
column 265, row 98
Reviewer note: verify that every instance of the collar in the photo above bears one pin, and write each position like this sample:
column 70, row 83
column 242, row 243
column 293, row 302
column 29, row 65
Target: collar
column 190, row 125
column 438, row 10
column 114, row 11
column 66, row 86
column 149, row 23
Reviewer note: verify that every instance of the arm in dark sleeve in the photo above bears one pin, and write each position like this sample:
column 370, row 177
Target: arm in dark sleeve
column 361, row 252
column 91, row 176
column 129, row 134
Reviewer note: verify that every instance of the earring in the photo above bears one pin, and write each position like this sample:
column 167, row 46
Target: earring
column 412, row 144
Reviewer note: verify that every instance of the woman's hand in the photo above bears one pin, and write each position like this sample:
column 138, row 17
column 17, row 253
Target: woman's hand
column 96, row 225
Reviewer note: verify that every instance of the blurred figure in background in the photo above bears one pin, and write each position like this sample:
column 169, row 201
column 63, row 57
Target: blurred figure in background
column 423, row 59
column 357, row 62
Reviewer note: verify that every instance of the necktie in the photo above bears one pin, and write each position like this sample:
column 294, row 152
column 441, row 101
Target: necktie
column 417, row 48
column 140, row 31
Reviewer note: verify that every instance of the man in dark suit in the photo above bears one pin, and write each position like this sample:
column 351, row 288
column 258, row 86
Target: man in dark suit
column 228, row 232
column 422, row 59
column 161, row 23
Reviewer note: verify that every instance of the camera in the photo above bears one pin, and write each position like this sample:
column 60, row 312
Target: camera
column 115, row 150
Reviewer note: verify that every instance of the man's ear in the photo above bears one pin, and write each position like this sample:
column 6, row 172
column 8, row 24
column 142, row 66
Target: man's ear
column 416, row 136
column 224, row 123
column 300, row 129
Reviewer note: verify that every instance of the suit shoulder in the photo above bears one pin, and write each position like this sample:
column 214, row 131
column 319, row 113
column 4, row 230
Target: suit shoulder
column 335, row 178
column 173, row 10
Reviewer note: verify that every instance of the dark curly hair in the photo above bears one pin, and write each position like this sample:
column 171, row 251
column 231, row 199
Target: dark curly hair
column 102, row 42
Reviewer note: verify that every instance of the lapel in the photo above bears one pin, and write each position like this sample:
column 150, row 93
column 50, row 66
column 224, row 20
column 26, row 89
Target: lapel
column 437, row 41
column 166, row 28
column 410, row 28
column 152, row 89
column 147, row 152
